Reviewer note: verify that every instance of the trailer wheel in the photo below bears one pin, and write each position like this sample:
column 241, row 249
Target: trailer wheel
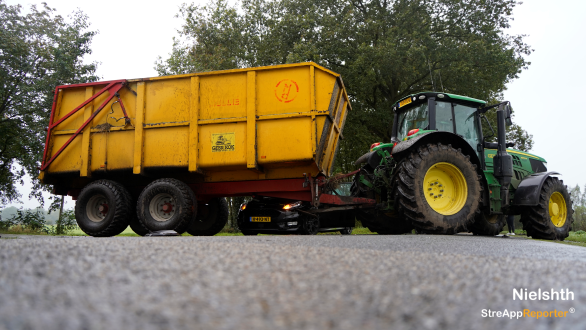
column 166, row 204
column 440, row 189
column 102, row 209
column 552, row 217
column 211, row 218
column 346, row 231
column 488, row 224
column 135, row 225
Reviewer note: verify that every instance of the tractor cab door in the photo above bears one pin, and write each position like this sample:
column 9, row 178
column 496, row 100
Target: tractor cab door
column 459, row 119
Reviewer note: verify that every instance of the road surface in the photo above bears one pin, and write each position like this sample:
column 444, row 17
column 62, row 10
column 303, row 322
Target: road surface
column 286, row 282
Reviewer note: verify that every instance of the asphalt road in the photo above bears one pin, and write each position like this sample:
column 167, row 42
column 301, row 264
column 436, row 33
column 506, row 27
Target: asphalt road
column 285, row 282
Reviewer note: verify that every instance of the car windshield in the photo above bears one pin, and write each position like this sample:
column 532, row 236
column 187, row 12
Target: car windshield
column 416, row 117
column 344, row 189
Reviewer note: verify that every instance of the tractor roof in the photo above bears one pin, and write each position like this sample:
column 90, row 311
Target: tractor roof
column 419, row 97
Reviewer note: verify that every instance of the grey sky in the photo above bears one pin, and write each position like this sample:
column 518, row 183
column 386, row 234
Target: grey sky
column 545, row 97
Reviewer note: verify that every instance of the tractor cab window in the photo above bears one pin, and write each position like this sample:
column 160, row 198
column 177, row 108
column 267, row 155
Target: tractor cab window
column 443, row 117
column 416, row 117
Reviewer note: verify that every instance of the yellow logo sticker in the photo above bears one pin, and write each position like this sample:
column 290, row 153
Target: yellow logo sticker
column 490, row 155
column 223, row 142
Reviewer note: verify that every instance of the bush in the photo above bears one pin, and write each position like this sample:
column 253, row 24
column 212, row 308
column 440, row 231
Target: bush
column 34, row 222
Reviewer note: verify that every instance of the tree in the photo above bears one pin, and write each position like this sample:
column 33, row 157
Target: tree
column 579, row 203
column 515, row 133
column 383, row 49
column 38, row 51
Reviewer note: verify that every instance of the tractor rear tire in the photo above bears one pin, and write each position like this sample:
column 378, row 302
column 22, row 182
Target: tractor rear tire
column 552, row 218
column 102, row 209
column 373, row 220
column 166, row 204
column 211, row 218
column 440, row 189
column 488, row 225
column 377, row 221
column 346, row 231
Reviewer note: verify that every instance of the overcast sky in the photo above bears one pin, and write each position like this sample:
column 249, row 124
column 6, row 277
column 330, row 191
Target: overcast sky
column 545, row 97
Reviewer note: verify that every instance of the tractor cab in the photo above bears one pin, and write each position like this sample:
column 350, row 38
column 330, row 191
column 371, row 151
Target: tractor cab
column 429, row 111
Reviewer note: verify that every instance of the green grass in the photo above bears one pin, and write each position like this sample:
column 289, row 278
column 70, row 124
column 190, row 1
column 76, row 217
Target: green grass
column 577, row 236
column 19, row 230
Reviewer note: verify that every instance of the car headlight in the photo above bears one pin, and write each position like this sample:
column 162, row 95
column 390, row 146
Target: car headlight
column 291, row 206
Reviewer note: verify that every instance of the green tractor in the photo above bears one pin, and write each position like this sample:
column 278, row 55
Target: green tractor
column 440, row 175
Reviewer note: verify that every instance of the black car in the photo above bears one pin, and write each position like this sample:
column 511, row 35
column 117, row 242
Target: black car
column 267, row 215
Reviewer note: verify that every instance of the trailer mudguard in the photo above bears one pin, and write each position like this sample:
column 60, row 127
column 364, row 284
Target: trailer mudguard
column 402, row 148
column 527, row 193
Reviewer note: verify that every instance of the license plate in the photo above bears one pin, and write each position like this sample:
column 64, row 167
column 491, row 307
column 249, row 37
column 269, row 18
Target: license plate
column 404, row 102
column 260, row 219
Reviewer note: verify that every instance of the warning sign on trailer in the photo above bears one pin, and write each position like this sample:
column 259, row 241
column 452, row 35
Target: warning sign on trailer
column 223, row 142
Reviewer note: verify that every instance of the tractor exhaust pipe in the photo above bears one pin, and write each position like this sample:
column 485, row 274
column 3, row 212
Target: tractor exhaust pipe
column 503, row 162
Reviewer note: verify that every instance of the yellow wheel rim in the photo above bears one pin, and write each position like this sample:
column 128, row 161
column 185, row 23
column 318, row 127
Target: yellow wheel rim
column 557, row 209
column 445, row 188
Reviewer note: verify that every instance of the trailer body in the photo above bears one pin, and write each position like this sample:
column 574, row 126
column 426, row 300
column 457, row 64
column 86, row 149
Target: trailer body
column 251, row 126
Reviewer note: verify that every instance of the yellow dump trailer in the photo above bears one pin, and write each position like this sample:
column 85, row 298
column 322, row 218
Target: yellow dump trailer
column 246, row 129
column 249, row 124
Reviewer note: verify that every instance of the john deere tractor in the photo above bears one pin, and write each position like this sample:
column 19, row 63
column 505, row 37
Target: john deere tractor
column 440, row 175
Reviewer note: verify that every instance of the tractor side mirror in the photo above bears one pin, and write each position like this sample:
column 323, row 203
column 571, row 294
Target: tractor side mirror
column 508, row 112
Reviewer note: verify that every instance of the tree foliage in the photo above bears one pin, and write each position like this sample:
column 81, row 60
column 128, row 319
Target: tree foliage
column 383, row 49
column 38, row 51
column 579, row 203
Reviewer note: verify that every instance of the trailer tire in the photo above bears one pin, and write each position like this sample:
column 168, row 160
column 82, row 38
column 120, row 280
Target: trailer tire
column 133, row 222
column 210, row 219
column 166, row 204
column 552, row 218
column 102, row 209
column 488, row 224
column 137, row 226
column 423, row 177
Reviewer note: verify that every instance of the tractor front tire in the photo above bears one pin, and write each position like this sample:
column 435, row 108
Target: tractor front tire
column 552, row 218
column 211, row 218
column 440, row 190
column 166, row 204
column 102, row 209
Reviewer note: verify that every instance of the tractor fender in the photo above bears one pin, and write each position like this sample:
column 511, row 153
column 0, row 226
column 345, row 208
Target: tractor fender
column 363, row 158
column 527, row 193
column 373, row 158
column 402, row 148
